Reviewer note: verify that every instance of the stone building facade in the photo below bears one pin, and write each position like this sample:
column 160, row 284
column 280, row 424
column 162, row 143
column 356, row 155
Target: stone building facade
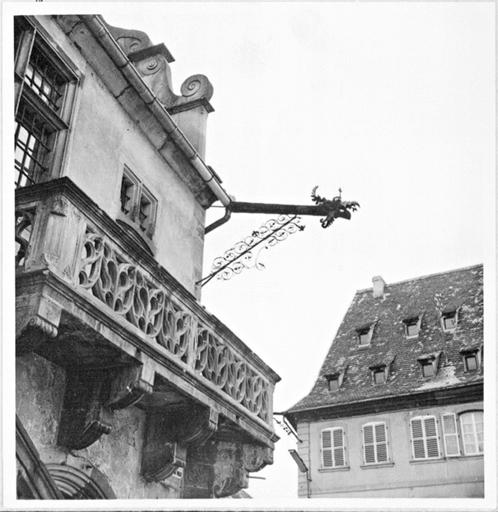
column 397, row 408
column 126, row 386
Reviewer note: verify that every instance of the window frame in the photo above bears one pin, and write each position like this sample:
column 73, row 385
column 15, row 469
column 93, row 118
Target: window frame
column 412, row 321
column 424, row 438
column 32, row 39
column 450, row 313
column 365, row 330
column 375, row 443
column 463, row 414
column 132, row 218
column 332, row 448
column 455, row 434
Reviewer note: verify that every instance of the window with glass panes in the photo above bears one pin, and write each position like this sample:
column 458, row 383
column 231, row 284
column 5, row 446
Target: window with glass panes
column 471, row 425
column 44, row 92
column 450, row 434
column 375, row 446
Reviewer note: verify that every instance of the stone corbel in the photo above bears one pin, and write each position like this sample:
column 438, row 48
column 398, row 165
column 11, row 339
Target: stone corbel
column 233, row 464
column 169, row 433
column 37, row 324
column 129, row 387
column 90, row 398
column 225, row 467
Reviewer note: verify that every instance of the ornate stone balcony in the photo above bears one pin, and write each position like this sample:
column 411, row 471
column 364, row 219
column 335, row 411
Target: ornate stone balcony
column 95, row 302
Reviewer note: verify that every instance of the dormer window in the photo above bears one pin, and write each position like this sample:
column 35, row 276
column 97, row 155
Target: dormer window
column 449, row 320
column 364, row 334
column 471, row 359
column 427, row 368
column 429, row 364
column 379, row 376
column 412, row 326
column 471, row 362
column 333, row 383
column 379, row 373
column 335, row 380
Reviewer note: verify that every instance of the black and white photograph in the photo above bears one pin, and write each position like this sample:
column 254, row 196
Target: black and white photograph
column 254, row 252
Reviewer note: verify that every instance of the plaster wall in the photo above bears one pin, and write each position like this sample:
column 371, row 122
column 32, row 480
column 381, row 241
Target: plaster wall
column 39, row 397
column 102, row 140
column 461, row 476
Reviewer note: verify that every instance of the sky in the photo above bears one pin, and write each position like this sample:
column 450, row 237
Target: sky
column 392, row 102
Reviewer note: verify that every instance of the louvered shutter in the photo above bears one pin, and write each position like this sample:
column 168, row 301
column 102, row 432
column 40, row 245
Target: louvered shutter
column 327, row 449
column 431, row 437
column 418, row 439
column 368, row 444
column 338, row 442
column 450, row 434
column 381, row 442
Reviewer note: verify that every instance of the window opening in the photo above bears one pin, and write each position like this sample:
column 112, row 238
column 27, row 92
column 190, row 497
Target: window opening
column 472, row 432
column 375, row 448
column 333, row 448
column 425, row 440
column 450, row 435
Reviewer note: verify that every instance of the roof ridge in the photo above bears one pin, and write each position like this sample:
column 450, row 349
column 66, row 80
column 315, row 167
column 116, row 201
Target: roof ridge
column 426, row 276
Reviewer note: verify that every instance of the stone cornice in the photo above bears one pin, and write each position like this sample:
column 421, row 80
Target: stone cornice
column 468, row 392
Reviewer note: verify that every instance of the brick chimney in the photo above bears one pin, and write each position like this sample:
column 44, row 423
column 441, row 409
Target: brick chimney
column 379, row 286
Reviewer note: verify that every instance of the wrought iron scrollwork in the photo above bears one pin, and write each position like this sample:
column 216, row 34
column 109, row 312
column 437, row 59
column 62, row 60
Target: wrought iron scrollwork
column 242, row 256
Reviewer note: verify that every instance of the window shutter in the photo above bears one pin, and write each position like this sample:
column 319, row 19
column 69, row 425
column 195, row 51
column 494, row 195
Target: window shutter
column 418, row 439
column 327, row 449
column 431, row 437
column 450, row 434
column 381, row 442
column 368, row 444
column 338, row 440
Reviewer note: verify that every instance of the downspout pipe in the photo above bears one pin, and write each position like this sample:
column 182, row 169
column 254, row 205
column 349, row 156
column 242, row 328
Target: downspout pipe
column 97, row 26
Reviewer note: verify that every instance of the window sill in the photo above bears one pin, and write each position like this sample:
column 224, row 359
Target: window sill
column 466, row 457
column 428, row 461
column 378, row 465
column 332, row 470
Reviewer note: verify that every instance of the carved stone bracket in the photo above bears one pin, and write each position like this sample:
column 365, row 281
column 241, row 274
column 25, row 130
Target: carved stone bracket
column 36, row 331
column 225, row 468
column 90, row 398
column 128, row 388
column 169, row 433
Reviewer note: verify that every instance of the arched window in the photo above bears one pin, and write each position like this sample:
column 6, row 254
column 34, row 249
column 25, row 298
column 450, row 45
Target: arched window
column 471, row 426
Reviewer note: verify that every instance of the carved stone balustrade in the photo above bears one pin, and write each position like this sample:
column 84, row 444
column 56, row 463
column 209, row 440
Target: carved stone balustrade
column 92, row 300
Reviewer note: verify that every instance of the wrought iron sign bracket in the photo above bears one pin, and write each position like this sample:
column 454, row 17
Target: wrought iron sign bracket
column 329, row 209
column 241, row 255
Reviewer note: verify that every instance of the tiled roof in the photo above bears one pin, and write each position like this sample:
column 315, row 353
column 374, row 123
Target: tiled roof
column 428, row 296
